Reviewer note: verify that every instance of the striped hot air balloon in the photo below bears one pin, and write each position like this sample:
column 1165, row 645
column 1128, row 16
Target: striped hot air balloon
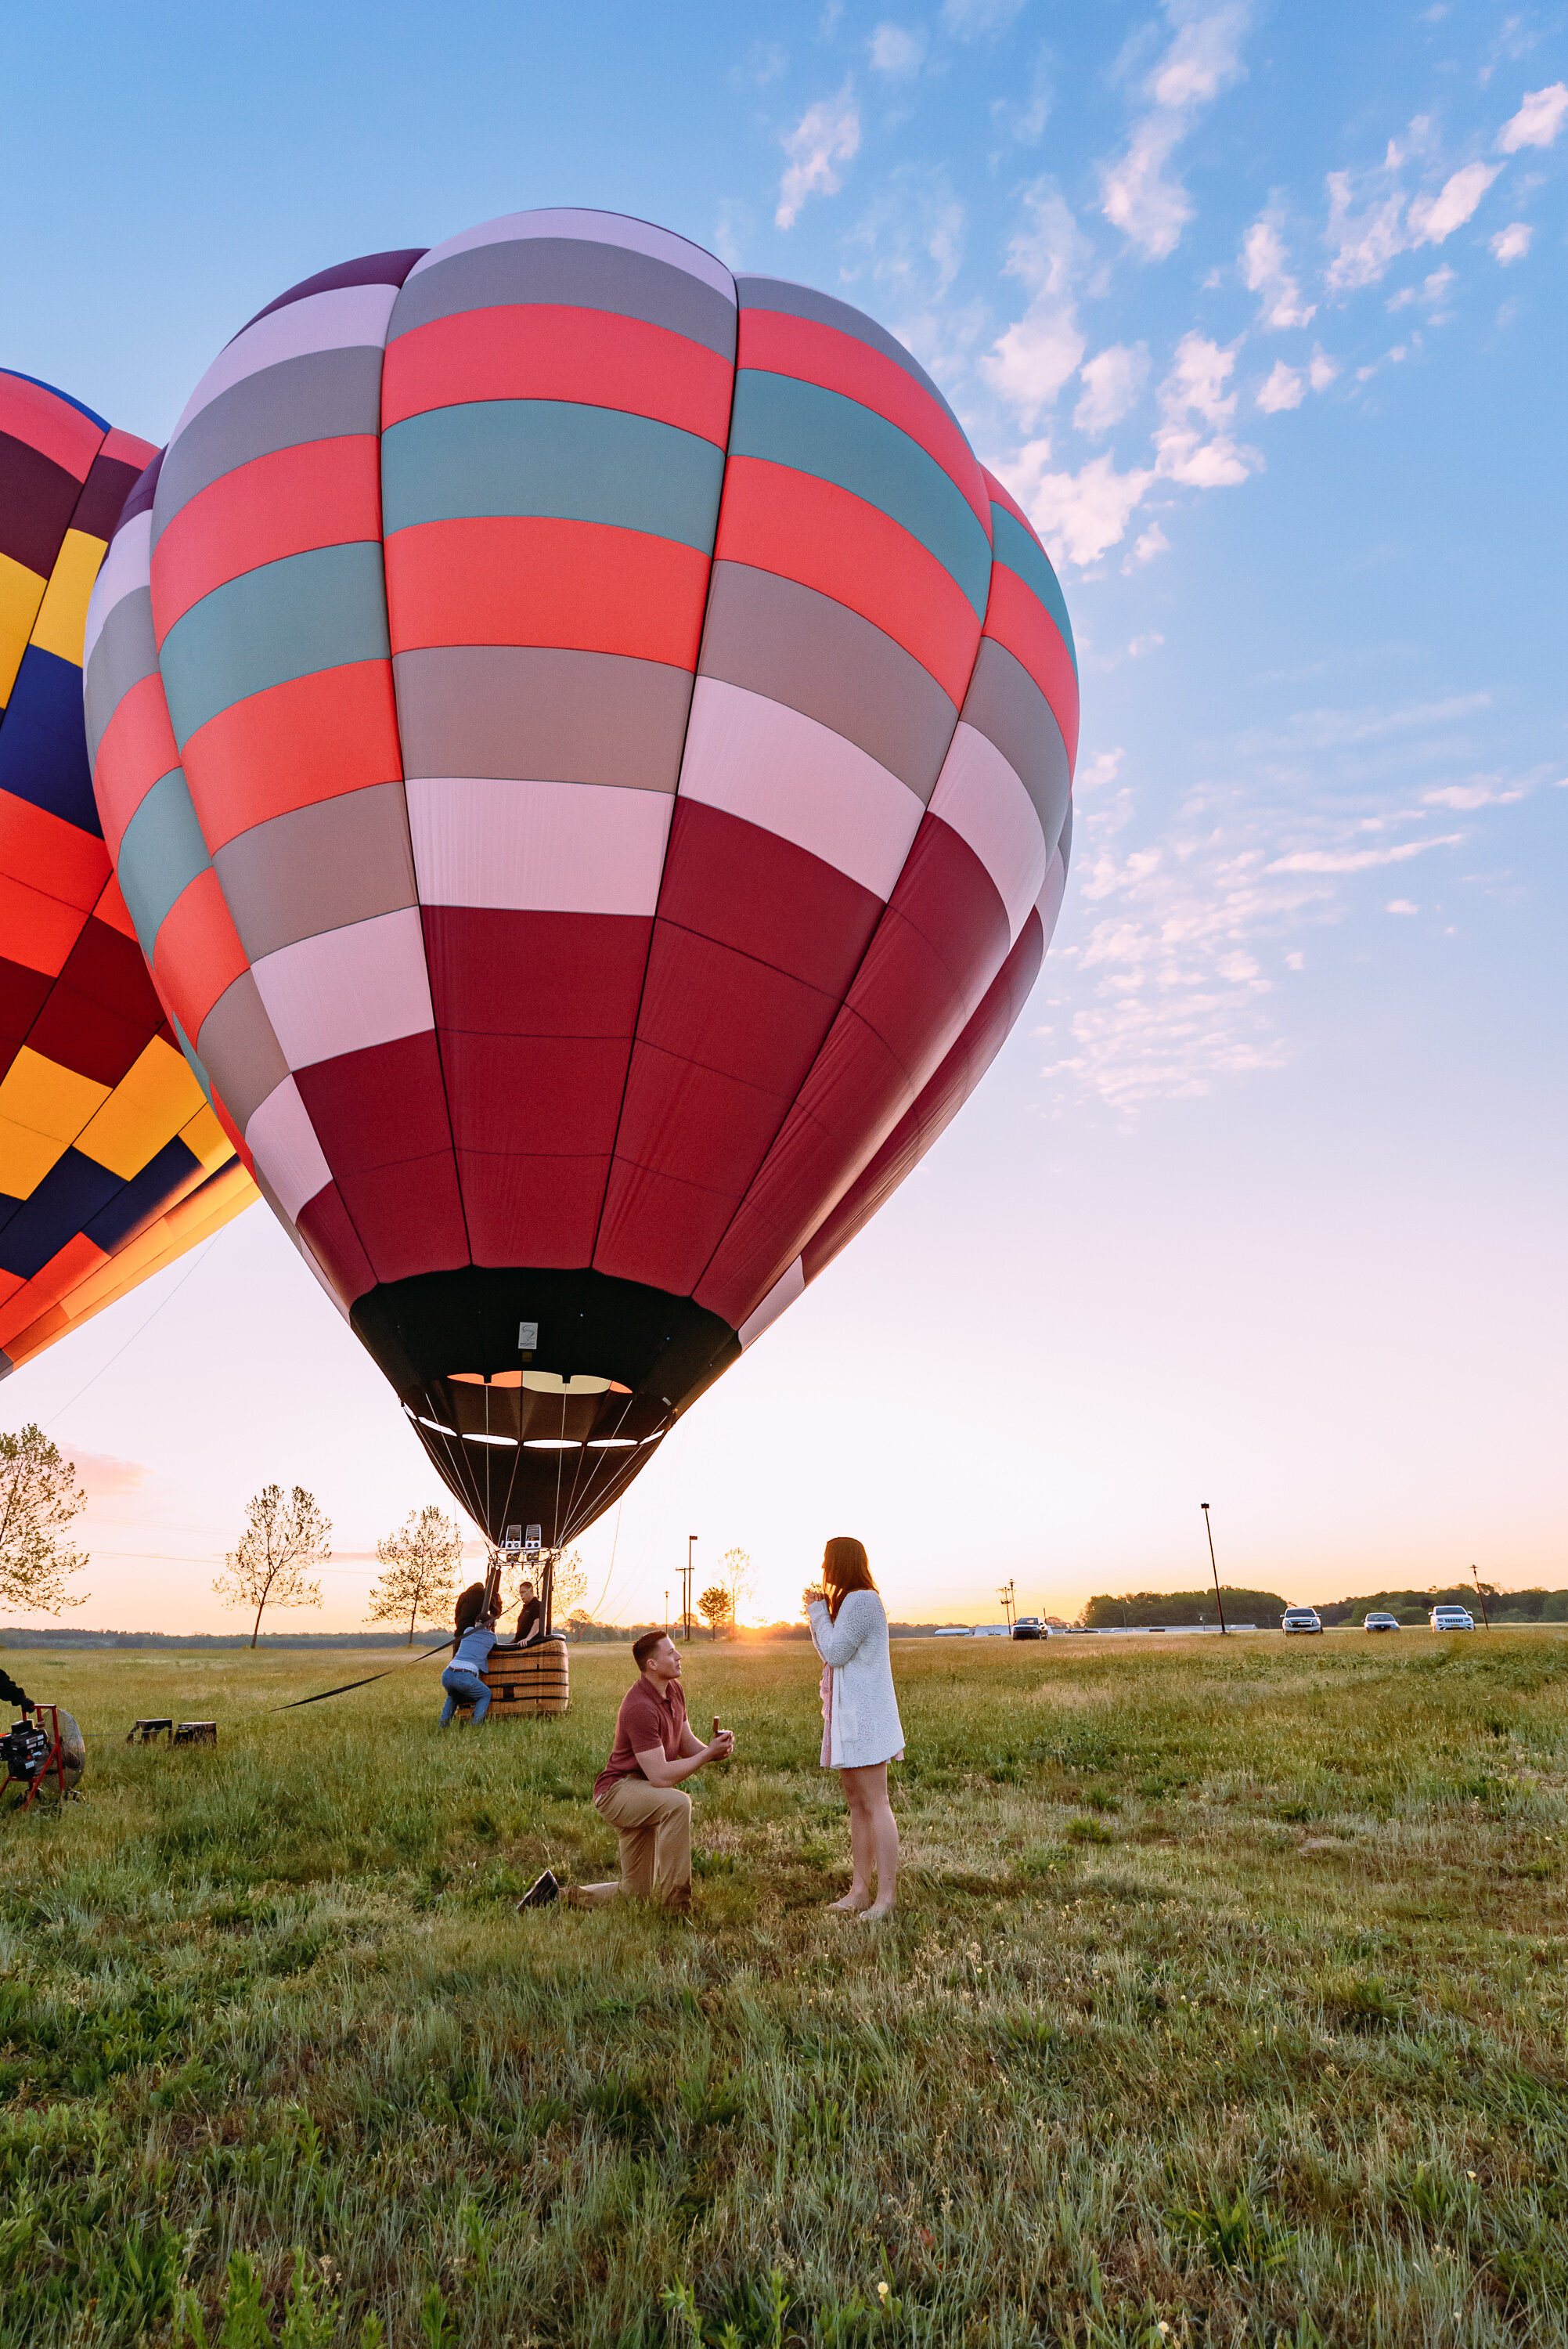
column 588, row 752
column 112, row 1162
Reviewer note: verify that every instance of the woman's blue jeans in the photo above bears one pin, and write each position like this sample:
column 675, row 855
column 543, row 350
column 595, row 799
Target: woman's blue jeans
column 464, row 1688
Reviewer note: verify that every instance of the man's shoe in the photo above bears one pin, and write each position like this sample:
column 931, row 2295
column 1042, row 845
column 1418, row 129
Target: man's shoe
column 540, row 1892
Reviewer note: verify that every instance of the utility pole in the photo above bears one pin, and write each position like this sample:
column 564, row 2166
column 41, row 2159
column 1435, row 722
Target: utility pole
column 1213, row 1569
column 1009, row 1599
column 1485, row 1619
column 666, row 1614
column 686, row 1570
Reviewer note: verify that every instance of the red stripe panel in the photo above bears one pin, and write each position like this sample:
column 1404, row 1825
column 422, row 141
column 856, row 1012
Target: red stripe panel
column 379, row 1106
column 1016, row 616
column 54, row 857
column 197, row 952
column 937, row 948
column 112, row 909
column 1003, row 496
column 409, row 1218
column 532, row 1210
column 10, row 1282
column 38, row 931
column 825, row 537
column 127, row 449
column 307, row 739
column 138, row 747
column 323, row 1225
column 815, row 353
column 528, row 580
column 51, row 425
column 731, row 881
column 59, row 1277
column 939, row 1103
column 546, row 350
column 324, row 493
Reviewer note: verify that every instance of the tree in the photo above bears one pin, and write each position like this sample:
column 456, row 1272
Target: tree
column 39, row 1495
column 569, row 1587
column 284, row 1536
column 578, row 1622
column 421, row 1560
column 716, row 1607
column 741, row 1578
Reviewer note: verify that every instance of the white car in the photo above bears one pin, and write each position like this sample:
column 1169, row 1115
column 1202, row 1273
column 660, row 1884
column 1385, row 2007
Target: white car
column 1380, row 1624
column 1452, row 1618
column 1301, row 1618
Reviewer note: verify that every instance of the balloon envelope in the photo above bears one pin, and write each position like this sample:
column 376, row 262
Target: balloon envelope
column 587, row 750
column 111, row 1162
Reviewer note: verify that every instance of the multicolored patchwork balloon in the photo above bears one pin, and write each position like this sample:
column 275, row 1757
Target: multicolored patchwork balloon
column 112, row 1162
column 588, row 751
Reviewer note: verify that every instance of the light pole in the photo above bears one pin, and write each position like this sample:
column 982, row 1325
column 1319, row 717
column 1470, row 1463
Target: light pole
column 1213, row 1569
column 666, row 1614
column 685, row 1627
column 1485, row 1618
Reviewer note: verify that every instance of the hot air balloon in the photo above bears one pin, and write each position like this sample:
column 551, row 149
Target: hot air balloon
column 587, row 750
column 111, row 1162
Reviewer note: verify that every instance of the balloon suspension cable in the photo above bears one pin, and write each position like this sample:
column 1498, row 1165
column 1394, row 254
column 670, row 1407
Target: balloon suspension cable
column 592, row 1503
column 574, row 1521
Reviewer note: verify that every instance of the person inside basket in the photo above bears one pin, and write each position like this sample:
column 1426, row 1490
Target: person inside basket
column 639, row 1790
column 472, row 1639
column 861, row 1732
column 530, row 1617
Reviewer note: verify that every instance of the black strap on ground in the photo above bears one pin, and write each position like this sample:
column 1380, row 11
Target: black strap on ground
column 322, row 1694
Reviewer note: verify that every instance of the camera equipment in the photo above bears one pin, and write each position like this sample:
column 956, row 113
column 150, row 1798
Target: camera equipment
column 24, row 1749
column 50, row 1748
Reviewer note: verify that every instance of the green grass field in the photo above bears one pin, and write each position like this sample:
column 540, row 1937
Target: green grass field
column 1225, row 2002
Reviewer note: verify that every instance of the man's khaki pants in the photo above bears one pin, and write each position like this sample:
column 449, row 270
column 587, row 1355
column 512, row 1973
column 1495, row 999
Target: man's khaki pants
column 653, row 1824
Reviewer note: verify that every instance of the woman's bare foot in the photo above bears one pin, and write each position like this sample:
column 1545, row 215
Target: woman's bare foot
column 855, row 1902
column 877, row 1911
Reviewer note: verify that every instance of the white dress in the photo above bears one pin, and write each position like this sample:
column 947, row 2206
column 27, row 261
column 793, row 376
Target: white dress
column 861, row 1724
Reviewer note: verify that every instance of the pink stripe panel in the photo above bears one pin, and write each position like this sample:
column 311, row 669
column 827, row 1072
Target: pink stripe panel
column 127, row 566
column 594, row 228
column 345, row 989
column 978, row 793
column 282, row 1140
column 349, row 315
column 776, row 768
column 533, row 846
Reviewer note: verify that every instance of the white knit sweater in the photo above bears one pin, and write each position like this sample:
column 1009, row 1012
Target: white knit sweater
column 864, row 1727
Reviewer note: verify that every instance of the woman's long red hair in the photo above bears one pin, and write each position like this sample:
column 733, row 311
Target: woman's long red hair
column 845, row 1568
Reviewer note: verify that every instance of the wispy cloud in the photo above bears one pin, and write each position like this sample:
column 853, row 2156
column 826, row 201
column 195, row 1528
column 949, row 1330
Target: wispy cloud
column 1264, row 263
column 1433, row 218
column 1139, row 194
column 1113, row 381
column 1512, row 243
column 1028, row 365
column 1173, row 974
column 898, row 51
column 971, row 20
column 827, row 135
column 1538, row 120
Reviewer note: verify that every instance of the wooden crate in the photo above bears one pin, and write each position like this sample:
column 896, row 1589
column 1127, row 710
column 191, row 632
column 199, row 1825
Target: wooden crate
column 527, row 1681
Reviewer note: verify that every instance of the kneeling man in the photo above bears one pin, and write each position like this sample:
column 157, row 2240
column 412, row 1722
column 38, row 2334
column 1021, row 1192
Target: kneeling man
column 639, row 1789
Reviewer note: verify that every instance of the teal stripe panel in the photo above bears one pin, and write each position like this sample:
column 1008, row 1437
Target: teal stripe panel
column 189, row 1049
column 161, row 856
column 1020, row 553
column 287, row 619
column 550, row 457
column 820, row 432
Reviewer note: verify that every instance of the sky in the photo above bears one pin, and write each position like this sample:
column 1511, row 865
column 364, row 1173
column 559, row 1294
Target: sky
column 1261, row 313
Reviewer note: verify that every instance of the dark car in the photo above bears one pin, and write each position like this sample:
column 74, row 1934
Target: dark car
column 1381, row 1623
column 1029, row 1627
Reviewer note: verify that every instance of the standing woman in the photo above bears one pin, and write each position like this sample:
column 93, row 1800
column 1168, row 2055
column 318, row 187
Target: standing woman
column 861, row 1732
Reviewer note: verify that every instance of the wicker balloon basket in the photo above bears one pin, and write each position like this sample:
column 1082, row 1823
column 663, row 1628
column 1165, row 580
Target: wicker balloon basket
column 528, row 1682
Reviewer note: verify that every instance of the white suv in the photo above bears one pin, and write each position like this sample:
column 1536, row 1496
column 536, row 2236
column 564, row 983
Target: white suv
column 1301, row 1618
column 1452, row 1618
